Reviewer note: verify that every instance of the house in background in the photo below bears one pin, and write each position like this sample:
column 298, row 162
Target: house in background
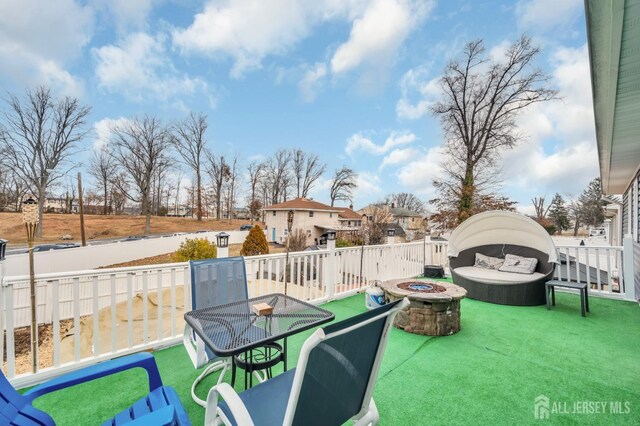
column 411, row 222
column 613, row 36
column 312, row 217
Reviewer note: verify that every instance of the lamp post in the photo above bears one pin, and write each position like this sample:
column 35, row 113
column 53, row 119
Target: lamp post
column 222, row 241
column 3, row 250
column 290, row 215
column 30, row 220
column 391, row 235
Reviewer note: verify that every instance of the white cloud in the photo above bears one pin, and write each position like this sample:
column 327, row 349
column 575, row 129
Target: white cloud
column 376, row 36
column 418, row 92
column 359, row 142
column 248, row 31
column 102, row 130
column 127, row 14
column 312, row 81
column 560, row 154
column 543, row 15
column 140, row 68
column 418, row 175
column 38, row 38
column 368, row 186
column 399, row 156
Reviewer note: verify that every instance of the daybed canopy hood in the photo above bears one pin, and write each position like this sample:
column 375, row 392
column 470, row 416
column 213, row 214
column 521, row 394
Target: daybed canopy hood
column 501, row 227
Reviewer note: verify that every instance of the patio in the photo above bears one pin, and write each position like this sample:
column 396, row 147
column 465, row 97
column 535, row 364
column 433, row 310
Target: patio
column 488, row 373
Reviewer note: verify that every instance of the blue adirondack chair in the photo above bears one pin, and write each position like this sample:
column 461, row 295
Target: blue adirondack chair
column 160, row 407
column 213, row 282
column 332, row 383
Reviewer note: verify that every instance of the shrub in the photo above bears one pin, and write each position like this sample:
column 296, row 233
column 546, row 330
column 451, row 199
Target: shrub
column 341, row 242
column 297, row 240
column 255, row 243
column 195, row 249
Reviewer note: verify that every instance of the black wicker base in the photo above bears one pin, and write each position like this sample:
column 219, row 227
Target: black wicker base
column 520, row 294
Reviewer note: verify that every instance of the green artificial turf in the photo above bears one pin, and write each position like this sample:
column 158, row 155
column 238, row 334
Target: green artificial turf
column 488, row 373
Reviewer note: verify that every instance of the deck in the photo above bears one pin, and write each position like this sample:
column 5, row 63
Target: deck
column 490, row 373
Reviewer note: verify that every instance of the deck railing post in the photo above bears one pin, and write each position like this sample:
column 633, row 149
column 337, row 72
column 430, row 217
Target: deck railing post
column 628, row 272
column 332, row 267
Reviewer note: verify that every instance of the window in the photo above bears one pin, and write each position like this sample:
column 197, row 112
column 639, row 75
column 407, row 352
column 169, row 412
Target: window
column 285, row 233
column 274, row 213
column 330, row 214
column 308, row 233
column 349, row 223
column 311, row 214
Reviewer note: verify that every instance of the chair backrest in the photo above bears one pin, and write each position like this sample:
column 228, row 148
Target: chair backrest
column 17, row 409
column 217, row 281
column 337, row 368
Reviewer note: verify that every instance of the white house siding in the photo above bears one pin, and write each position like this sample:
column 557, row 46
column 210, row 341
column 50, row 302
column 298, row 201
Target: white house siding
column 301, row 220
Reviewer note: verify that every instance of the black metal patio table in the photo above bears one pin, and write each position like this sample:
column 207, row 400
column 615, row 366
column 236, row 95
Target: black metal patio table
column 233, row 329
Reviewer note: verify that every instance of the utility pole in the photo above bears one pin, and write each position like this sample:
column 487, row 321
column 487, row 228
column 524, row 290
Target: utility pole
column 81, row 203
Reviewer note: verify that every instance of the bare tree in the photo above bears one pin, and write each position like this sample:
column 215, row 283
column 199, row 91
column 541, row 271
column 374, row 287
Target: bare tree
column 232, row 187
column 541, row 211
column 405, row 200
column 307, row 169
column 279, row 175
column 39, row 135
column 219, row 172
column 255, row 169
column 481, row 99
column 103, row 167
column 139, row 146
column 342, row 184
column 191, row 145
column 374, row 228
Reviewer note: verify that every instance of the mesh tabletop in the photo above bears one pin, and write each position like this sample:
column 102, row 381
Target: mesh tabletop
column 233, row 327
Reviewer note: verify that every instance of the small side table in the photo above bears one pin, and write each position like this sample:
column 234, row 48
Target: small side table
column 584, row 293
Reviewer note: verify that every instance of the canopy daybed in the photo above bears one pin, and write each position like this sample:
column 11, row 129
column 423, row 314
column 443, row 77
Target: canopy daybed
column 497, row 234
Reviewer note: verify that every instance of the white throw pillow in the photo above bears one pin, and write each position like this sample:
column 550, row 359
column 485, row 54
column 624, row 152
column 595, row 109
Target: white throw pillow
column 487, row 262
column 519, row 264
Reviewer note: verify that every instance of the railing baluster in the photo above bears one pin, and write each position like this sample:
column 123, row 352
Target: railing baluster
column 145, row 307
column 173, row 302
column 130, row 309
column 587, row 269
column 11, row 344
column 55, row 313
column 113, row 304
column 76, row 318
column 159, row 278
column 598, row 280
column 96, row 317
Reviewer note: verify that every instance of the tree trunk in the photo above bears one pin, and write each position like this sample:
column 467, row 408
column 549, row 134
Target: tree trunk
column 41, row 200
column 199, row 195
column 576, row 227
column 466, row 197
column 146, row 210
column 106, row 194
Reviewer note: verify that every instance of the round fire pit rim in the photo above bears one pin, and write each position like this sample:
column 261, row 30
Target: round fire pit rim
column 453, row 292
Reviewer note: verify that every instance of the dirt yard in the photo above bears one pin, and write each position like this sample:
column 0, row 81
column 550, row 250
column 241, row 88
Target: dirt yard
column 102, row 227
column 234, row 250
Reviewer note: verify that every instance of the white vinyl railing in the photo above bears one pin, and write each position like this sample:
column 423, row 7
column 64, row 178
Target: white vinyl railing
column 600, row 267
column 89, row 316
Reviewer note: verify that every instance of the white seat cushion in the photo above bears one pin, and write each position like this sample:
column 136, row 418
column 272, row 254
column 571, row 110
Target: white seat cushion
column 492, row 276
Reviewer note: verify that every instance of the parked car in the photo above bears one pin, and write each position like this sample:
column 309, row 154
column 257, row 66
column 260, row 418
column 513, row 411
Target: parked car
column 59, row 246
column 246, row 227
column 202, row 231
column 135, row 238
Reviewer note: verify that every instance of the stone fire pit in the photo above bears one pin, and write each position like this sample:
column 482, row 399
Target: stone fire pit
column 434, row 308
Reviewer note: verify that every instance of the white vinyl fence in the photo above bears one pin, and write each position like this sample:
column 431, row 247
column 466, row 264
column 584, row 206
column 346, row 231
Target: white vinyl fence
column 100, row 314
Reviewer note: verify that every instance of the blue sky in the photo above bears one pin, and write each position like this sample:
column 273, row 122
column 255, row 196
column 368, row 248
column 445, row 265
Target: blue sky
column 349, row 80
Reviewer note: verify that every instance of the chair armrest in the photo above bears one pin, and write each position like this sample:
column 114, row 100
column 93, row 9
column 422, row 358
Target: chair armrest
column 235, row 404
column 140, row 360
column 163, row 417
